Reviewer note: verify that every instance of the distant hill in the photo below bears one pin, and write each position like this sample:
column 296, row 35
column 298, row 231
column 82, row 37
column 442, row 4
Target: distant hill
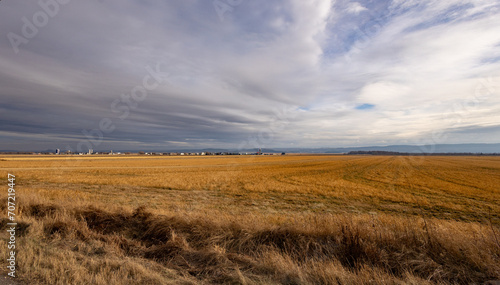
column 378, row 152
column 438, row 148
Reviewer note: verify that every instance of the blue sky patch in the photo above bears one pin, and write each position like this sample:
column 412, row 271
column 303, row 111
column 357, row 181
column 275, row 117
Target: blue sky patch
column 365, row 107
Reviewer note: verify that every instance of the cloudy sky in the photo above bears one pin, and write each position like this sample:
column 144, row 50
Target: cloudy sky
column 145, row 74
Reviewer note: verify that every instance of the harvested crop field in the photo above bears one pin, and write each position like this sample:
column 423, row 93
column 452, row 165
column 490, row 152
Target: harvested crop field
column 332, row 219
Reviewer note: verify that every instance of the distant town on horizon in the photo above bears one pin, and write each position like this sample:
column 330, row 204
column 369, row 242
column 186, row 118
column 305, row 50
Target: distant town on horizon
column 459, row 149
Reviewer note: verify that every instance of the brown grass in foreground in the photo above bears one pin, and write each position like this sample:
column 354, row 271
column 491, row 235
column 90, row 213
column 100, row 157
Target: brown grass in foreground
column 70, row 233
column 86, row 245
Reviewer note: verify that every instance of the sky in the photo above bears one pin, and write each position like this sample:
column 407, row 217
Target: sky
column 164, row 75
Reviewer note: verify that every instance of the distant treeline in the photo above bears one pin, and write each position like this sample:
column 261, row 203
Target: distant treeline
column 378, row 152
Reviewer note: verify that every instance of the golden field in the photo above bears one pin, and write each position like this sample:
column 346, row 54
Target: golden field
column 294, row 219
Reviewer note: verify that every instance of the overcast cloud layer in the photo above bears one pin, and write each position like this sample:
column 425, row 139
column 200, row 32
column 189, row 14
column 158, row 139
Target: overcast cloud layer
column 296, row 73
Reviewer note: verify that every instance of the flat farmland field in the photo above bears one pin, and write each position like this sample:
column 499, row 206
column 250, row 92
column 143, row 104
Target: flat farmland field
column 293, row 219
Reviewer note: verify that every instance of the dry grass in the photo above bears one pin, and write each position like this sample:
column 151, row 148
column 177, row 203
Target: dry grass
column 254, row 220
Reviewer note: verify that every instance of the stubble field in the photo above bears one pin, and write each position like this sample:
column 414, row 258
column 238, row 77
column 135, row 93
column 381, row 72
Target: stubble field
column 255, row 219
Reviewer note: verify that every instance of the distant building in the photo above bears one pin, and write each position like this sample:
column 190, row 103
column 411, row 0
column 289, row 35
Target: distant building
column 58, row 151
column 91, row 151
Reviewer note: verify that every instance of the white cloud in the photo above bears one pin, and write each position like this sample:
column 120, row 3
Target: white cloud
column 415, row 76
column 355, row 8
